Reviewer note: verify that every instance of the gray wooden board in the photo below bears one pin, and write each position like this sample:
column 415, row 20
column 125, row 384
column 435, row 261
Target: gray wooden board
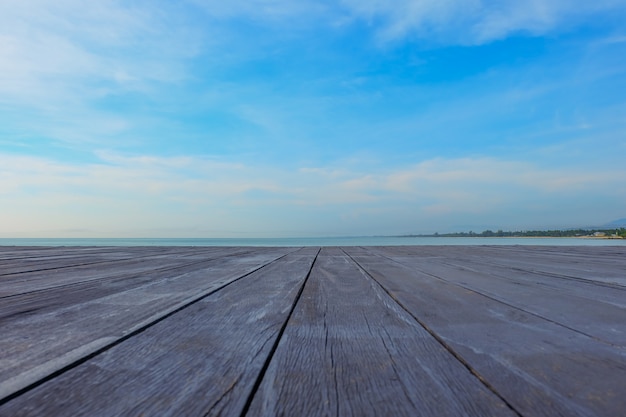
column 202, row 360
column 603, row 264
column 601, row 319
column 541, row 368
column 51, row 259
column 577, row 286
column 348, row 343
column 90, row 275
column 349, row 349
column 60, row 273
column 600, row 265
column 99, row 284
column 58, row 330
column 8, row 253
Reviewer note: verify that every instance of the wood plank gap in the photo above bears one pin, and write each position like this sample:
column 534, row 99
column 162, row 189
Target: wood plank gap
column 440, row 340
column 562, row 251
column 38, row 249
column 611, row 285
column 86, row 264
column 259, row 379
column 142, row 328
column 597, row 339
column 106, row 278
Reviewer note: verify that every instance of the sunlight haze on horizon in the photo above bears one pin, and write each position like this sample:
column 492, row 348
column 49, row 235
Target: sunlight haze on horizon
column 278, row 118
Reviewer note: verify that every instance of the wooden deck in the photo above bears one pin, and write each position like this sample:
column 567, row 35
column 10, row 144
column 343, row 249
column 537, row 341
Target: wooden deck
column 362, row 331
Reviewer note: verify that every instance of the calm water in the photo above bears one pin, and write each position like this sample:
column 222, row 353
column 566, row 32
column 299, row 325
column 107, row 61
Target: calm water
column 316, row 241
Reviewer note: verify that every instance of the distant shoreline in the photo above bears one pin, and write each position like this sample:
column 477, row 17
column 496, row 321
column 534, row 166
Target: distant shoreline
column 600, row 237
column 516, row 237
column 618, row 233
column 319, row 241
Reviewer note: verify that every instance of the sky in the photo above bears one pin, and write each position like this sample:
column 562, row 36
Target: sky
column 278, row 118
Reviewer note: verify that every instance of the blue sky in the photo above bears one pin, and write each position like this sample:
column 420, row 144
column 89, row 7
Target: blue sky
column 201, row 118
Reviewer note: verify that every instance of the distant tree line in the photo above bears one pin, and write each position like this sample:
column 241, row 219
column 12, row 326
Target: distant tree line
column 533, row 233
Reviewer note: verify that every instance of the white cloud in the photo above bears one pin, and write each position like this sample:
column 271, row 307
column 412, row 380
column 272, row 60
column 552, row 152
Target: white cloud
column 68, row 50
column 261, row 9
column 474, row 21
column 122, row 194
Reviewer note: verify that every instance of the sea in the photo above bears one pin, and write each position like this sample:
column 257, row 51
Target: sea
column 312, row 241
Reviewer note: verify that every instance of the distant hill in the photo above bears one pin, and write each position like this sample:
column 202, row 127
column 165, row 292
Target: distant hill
column 616, row 223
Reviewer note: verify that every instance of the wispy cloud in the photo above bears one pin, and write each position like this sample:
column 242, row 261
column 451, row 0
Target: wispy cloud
column 55, row 52
column 269, row 10
column 199, row 194
column 264, row 115
column 449, row 21
column 474, row 21
column 62, row 61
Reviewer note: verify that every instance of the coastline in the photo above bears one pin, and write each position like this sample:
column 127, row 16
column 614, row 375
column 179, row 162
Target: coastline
column 320, row 241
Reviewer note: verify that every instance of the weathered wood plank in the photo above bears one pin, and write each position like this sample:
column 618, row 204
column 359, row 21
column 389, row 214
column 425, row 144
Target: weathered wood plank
column 59, row 273
column 599, row 265
column 107, row 283
column 503, row 313
column 25, row 260
column 66, row 327
column 349, row 349
column 9, row 253
column 603, row 264
column 203, row 360
column 603, row 316
column 541, row 368
column 578, row 286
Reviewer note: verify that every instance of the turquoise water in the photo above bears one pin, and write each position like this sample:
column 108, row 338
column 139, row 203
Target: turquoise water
column 313, row 241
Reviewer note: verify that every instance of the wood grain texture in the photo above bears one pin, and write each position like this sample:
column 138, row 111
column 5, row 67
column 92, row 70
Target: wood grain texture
column 540, row 367
column 202, row 360
column 554, row 298
column 46, row 331
column 409, row 330
column 49, row 273
column 64, row 257
column 349, row 349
